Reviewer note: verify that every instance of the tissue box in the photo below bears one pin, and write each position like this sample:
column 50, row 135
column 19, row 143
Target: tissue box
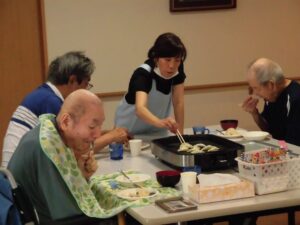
column 217, row 193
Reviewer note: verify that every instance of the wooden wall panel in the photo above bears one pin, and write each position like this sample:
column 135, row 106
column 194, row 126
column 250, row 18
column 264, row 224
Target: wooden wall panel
column 22, row 54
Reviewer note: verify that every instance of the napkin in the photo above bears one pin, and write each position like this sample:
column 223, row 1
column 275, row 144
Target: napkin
column 215, row 179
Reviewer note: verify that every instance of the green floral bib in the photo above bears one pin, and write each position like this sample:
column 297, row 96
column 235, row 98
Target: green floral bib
column 65, row 161
column 97, row 198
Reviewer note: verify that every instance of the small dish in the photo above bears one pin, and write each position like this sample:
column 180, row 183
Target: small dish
column 133, row 194
column 255, row 135
column 137, row 178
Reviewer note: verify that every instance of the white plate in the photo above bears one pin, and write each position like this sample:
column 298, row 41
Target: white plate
column 132, row 193
column 229, row 136
column 144, row 146
column 135, row 178
column 255, row 135
column 239, row 135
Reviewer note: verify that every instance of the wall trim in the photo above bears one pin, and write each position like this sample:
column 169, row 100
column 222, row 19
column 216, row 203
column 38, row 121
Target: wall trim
column 192, row 87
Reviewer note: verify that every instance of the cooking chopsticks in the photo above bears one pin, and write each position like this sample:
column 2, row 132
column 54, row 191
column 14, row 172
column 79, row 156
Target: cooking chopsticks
column 180, row 136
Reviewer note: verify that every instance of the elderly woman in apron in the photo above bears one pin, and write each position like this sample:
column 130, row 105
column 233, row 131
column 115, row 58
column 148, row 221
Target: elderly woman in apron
column 156, row 88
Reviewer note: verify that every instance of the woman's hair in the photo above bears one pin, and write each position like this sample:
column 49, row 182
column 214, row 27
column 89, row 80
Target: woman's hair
column 71, row 63
column 167, row 45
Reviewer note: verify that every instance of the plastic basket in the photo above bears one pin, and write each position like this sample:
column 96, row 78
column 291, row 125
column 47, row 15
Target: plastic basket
column 294, row 173
column 268, row 177
column 271, row 177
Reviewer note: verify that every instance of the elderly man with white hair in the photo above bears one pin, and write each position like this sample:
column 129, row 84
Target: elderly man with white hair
column 281, row 114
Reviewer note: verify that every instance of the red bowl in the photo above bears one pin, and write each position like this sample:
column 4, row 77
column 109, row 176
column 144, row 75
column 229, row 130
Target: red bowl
column 168, row 178
column 225, row 124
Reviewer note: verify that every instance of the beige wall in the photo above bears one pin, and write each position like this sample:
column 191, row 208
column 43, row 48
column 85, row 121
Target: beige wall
column 117, row 35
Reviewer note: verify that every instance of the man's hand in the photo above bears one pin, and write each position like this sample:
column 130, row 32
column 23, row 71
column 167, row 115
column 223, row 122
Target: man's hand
column 250, row 105
column 87, row 164
column 119, row 135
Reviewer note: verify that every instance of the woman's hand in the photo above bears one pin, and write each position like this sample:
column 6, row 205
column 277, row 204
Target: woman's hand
column 170, row 124
column 87, row 164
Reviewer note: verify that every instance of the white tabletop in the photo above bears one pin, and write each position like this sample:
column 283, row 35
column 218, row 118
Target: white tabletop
column 145, row 162
column 152, row 214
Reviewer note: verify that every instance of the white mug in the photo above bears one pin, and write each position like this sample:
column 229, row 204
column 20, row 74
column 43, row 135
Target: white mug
column 135, row 146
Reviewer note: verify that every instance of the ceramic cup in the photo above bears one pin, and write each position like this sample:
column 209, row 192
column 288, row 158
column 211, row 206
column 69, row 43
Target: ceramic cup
column 200, row 130
column 188, row 179
column 135, row 146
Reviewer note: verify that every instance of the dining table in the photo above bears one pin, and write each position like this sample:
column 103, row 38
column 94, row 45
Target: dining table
column 150, row 214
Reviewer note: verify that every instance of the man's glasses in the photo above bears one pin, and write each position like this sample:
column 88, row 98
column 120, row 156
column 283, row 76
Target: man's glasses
column 89, row 86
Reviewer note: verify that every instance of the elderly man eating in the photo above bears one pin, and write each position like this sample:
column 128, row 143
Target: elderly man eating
column 54, row 161
column 280, row 116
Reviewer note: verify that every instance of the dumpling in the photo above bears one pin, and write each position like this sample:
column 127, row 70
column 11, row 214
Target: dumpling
column 185, row 147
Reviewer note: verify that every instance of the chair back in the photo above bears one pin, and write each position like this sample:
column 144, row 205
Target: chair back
column 19, row 200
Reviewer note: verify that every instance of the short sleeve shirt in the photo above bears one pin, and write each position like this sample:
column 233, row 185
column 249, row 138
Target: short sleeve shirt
column 141, row 80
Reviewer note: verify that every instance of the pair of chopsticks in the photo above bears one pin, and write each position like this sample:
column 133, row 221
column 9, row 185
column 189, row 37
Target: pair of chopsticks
column 128, row 178
column 180, row 136
column 221, row 132
column 135, row 184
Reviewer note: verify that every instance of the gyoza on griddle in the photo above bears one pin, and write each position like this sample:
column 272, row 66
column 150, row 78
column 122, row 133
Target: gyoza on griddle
column 197, row 148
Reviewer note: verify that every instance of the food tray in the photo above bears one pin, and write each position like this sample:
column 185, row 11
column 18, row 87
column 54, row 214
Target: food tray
column 166, row 150
column 271, row 177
